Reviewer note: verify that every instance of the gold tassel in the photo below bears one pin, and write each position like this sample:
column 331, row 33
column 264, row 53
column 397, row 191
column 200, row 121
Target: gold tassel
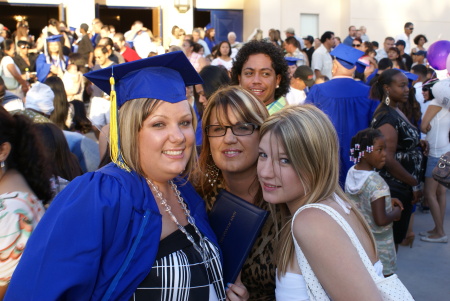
column 114, row 143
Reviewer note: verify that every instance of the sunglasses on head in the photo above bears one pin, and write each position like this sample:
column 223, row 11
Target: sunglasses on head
column 356, row 45
column 25, row 46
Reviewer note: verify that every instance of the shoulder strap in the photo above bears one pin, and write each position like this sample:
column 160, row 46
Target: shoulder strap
column 344, row 225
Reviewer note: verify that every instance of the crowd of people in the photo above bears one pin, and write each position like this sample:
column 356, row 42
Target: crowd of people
column 113, row 150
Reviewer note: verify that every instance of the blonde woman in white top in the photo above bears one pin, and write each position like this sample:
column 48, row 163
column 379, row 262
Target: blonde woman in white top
column 298, row 167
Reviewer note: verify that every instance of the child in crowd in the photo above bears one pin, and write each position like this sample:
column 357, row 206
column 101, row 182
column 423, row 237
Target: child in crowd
column 371, row 193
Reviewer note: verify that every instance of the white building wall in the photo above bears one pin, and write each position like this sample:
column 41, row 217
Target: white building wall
column 219, row 4
column 387, row 17
column 381, row 17
column 329, row 14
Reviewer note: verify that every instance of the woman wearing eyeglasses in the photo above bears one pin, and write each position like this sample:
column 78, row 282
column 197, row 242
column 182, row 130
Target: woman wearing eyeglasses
column 227, row 161
column 23, row 59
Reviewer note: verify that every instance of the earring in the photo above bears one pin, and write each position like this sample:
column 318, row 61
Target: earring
column 387, row 101
column 278, row 86
column 2, row 167
column 212, row 173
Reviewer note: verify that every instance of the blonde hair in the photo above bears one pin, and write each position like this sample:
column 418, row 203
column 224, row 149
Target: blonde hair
column 246, row 107
column 132, row 115
column 310, row 141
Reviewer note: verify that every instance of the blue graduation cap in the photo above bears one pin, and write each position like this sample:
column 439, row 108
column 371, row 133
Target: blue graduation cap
column 71, row 28
column 411, row 76
column 349, row 57
column 54, row 38
column 162, row 77
column 290, row 60
column 208, row 26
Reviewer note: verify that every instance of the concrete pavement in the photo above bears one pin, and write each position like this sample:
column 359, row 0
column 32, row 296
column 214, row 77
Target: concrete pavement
column 425, row 268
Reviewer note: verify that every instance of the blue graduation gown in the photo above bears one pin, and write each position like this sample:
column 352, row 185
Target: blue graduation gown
column 99, row 238
column 43, row 68
column 347, row 103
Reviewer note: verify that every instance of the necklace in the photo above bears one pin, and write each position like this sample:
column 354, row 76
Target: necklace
column 200, row 249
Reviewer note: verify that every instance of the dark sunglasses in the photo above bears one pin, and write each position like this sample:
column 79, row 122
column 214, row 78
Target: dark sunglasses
column 425, row 89
column 356, row 45
column 411, row 28
column 24, row 46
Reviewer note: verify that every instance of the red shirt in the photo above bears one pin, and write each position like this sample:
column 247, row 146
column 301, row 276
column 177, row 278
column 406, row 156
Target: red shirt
column 130, row 55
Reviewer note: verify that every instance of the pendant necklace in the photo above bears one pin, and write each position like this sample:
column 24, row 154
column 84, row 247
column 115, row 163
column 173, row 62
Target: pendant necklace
column 202, row 250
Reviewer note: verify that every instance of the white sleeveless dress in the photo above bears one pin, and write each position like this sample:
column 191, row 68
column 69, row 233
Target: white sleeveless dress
column 293, row 287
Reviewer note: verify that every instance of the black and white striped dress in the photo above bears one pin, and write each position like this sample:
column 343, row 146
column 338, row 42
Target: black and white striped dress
column 180, row 274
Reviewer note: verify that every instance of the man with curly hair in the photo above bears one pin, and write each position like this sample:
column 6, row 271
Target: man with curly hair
column 261, row 69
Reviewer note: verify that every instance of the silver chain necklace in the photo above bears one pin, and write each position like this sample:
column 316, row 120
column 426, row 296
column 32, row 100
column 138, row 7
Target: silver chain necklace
column 202, row 250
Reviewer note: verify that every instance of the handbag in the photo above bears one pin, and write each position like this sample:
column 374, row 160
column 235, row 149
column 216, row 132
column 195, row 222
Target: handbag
column 390, row 288
column 441, row 172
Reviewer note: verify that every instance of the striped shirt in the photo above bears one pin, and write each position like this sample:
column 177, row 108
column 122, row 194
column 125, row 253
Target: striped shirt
column 179, row 272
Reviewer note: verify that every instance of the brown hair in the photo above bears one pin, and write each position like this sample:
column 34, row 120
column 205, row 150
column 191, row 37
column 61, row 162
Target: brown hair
column 246, row 108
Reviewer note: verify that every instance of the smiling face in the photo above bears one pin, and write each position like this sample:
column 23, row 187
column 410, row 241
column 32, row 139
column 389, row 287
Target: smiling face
column 279, row 181
column 166, row 141
column 259, row 78
column 231, row 153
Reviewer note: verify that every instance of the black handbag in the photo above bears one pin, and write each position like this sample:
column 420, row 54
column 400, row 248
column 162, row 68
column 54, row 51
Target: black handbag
column 441, row 172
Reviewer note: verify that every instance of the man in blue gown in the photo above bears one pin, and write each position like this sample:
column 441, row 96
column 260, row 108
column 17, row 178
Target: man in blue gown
column 345, row 100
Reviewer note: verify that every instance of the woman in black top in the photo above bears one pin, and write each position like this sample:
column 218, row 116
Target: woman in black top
column 403, row 158
column 24, row 59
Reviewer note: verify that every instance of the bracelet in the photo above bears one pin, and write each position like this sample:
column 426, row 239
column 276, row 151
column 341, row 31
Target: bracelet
column 417, row 188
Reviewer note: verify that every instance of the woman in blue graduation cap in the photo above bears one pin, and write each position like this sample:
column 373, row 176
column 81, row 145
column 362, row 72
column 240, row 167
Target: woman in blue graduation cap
column 135, row 228
column 52, row 62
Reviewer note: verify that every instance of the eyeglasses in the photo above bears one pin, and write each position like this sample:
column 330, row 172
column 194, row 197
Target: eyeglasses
column 356, row 45
column 23, row 47
column 243, row 129
column 411, row 28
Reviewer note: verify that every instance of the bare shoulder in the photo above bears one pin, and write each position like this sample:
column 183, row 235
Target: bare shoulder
column 313, row 223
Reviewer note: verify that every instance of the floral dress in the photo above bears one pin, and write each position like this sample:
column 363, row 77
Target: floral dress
column 19, row 214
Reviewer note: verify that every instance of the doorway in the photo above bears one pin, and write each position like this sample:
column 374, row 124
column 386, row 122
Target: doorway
column 37, row 16
column 122, row 17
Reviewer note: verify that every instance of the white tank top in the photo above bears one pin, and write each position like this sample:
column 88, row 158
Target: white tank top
column 292, row 287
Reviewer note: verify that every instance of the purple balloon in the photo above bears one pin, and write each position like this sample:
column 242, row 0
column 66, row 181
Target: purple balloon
column 448, row 64
column 437, row 54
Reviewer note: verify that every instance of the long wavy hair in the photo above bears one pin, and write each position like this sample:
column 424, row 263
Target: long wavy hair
column 64, row 164
column 27, row 154
column 246, row 108
column 310, row 141
column 61, row 111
